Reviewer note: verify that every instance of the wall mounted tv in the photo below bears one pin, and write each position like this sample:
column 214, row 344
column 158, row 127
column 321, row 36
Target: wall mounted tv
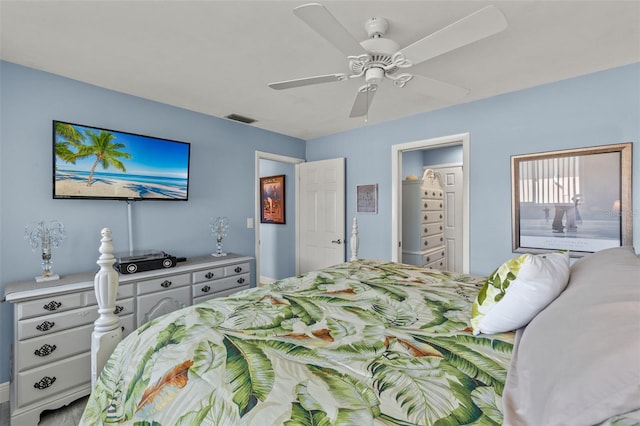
column 95, row 163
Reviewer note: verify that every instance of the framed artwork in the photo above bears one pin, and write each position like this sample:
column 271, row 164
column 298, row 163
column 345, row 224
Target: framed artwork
column 577, row 200
column 367, row 198
column 272, row 200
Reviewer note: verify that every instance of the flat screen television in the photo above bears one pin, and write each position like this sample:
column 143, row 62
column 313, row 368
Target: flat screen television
column 95, row 163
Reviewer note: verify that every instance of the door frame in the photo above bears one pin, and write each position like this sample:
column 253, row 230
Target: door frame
column 396, row 189
column 260, row 155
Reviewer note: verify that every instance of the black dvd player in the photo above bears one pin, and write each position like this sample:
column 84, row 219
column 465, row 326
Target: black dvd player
column 144, row 261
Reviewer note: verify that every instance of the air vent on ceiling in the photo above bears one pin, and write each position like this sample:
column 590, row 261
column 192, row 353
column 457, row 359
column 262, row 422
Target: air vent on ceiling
column 240, row 118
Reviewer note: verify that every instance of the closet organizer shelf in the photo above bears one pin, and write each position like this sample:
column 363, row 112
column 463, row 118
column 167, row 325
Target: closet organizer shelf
column 53, row 322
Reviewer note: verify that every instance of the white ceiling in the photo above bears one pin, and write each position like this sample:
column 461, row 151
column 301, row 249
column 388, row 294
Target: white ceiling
column 217, row 57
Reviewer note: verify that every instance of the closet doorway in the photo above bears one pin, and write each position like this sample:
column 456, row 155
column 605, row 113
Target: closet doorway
column 459, row 242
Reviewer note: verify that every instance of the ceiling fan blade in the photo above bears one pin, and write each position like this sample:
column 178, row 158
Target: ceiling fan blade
column 481, row 24
column 436, row 89
column 363, row 100
column 325, row 24
column 288, row 84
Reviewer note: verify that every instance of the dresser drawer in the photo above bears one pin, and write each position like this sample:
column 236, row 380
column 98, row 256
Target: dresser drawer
column 432, row 241
column 151, row 306
column 432, row 205
column 165, row 283
column 433, row 193
column 431, row 217
column 213, row 287
column 49, row 305
column 56, row 322
column 208, row 275
column 53, row 379
column 124, row 291
column 431, row 229
column 433, row 256
column 53, row 347
column 440, row 265
column 208, row 296
column 241, row 268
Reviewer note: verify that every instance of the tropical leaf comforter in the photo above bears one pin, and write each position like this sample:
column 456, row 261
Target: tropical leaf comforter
column 359, row 343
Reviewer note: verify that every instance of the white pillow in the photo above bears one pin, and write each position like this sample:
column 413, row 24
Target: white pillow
column 518, row 290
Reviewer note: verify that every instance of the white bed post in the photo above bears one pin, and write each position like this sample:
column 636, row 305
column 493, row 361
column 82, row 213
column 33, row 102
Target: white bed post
column 354, row 240
column 106, row 331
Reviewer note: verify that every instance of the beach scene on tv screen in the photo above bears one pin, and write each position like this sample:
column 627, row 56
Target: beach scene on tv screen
column 100, row 163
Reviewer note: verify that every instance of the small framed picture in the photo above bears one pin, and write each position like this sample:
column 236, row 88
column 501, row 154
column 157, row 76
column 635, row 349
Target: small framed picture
column 272, row 200
column 367, row 198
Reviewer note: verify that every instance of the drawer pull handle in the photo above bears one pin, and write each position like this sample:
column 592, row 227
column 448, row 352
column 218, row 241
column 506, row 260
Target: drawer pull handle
column 240, row 280
column 46, row 325
column 238, row 270
column 426, row 243
column 206, row 289
column 209, row 275
column 166, row 284
column 118, row 309
column 426, row 230
column 45, row 350
column 426, row 205
column 122, row 328
column 44, row 383
column 52, row 306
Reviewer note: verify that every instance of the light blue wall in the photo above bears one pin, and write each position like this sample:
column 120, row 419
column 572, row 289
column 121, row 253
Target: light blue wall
column 439, row 156
column 277, row 242
column 596, row 109
column 222, row 178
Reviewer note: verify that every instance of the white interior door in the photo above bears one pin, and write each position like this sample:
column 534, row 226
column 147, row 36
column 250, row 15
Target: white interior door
column 453, row 206
column 321, row 218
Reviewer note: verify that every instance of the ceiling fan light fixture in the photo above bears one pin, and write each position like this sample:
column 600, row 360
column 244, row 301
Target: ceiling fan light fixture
column 374, row 76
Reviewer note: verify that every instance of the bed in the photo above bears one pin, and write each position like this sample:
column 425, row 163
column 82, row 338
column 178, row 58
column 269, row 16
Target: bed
column 363, row 342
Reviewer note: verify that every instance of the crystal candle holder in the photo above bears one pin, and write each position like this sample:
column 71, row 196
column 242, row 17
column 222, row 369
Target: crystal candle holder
column 45, row 236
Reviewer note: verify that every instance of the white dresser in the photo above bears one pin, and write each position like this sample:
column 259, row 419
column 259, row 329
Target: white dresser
column 53, row 322
column 423, row 222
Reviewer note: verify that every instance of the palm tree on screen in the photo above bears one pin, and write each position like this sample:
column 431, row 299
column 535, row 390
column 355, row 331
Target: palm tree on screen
column 70, row 136
column 107, row 152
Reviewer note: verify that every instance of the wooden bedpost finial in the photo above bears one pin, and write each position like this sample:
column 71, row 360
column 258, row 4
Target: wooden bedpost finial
column 354, row 240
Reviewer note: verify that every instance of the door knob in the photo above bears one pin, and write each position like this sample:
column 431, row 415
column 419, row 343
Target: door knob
column 338, row 241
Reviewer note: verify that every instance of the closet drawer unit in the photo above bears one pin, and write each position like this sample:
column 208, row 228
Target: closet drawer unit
column 124, row 291
column 56, row 322
column 432, row 241
column 163, row 284
column 53, row 347
column 433, row 256
column 151, row 306
column 432, row 205
column 432, row 228
column 241, row 268
column 53, row 379
column 208, row 275
column 45, row 306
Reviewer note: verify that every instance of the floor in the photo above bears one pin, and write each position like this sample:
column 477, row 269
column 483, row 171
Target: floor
column 65, row 416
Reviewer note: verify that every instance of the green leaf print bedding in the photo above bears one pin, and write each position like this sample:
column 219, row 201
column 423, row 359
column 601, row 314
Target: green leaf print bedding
column 359, row 343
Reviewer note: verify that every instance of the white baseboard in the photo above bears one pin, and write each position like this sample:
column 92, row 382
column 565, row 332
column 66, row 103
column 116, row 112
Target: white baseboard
column 4, row 392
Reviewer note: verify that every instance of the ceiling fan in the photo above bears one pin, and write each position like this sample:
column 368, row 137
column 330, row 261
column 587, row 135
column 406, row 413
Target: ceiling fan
column 378, row 57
